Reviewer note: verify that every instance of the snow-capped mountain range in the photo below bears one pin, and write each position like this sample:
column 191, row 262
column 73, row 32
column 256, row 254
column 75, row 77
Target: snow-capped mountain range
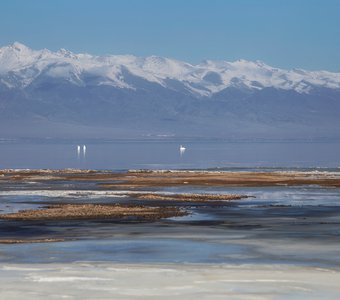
column 20, row 66
column 63, row 94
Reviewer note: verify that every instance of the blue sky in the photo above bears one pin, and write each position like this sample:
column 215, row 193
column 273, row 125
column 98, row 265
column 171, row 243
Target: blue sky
column 282, row 33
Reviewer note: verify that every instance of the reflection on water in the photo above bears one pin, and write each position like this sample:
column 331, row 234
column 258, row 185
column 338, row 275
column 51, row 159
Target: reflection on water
column 78, row 151
column 181, row 150
column 168, row 154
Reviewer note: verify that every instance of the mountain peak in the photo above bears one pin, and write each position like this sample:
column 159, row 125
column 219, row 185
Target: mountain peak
column 19, row 47
column 66, row 53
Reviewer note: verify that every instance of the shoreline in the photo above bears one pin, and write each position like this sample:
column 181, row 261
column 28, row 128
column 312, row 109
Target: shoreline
column 163, row 178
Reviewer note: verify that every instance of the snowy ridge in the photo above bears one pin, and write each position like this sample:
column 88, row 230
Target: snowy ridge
column 20, row 66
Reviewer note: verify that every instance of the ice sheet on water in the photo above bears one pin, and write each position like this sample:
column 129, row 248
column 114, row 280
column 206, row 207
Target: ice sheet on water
column 124, row 281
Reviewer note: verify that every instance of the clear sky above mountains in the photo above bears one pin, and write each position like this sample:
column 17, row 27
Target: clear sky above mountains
column 292, row 33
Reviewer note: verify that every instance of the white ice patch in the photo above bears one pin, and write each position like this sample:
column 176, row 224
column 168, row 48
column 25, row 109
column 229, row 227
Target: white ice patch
column 67, row 193
column 17, row 268
column 65, row 279
column 178, row 281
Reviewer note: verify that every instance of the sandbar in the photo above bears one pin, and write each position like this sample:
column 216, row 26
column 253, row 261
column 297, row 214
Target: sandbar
column 152, row 178
column 93, row 211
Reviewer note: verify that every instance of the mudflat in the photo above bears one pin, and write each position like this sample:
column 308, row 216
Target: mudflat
column 162, row 178
column 93, row 211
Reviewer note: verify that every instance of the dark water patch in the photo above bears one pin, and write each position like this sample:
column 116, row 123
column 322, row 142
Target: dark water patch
column 160, row 250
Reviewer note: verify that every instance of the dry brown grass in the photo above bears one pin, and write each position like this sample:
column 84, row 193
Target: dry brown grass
column 29, row 241
column 92, row 211
column 190, row 197
column 136, row 179
column 232, row 179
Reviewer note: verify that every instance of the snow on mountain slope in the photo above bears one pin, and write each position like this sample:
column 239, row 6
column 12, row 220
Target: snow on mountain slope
column 20, row 66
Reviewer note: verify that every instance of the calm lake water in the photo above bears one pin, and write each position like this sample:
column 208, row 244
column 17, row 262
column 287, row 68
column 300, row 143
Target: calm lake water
column 118, row 155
